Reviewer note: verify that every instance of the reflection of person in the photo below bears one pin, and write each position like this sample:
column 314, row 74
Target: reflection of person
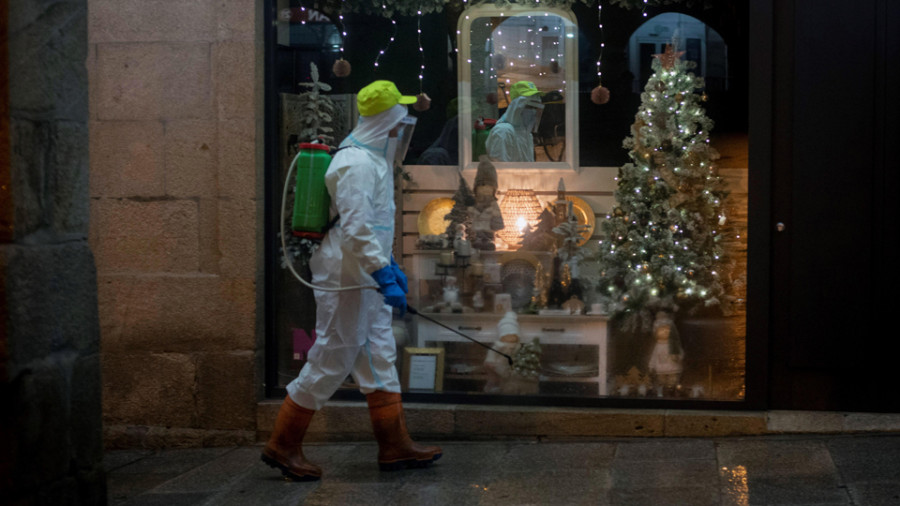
column 485, row 214
column 445, row 149
column 511, row 139
column 666, row 358
column 354, row 327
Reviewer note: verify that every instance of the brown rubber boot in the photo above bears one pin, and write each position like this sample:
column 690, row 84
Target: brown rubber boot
column 284, row 449
column 395, row 448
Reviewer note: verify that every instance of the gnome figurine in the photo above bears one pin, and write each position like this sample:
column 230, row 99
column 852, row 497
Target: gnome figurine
column 496, row 367
column 485, row 214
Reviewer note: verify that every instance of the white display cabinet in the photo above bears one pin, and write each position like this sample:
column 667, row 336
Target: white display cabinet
column 574, row 346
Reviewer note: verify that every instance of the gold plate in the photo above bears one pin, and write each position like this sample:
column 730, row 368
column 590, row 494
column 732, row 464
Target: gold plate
column 584, row 214
column 431, row 217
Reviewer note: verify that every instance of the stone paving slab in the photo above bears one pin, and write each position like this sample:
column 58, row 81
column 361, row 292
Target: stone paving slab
column 858, row 470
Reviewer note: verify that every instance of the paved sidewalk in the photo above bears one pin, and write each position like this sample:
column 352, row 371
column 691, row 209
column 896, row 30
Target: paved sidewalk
column 772, row 470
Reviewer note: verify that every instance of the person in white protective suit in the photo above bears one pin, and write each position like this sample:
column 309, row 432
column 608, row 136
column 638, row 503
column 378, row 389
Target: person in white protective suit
column 353, row 327
column 511, row 139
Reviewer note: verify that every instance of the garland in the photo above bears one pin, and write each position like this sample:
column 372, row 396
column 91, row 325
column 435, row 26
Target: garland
column 643, row 4
column 390, row 8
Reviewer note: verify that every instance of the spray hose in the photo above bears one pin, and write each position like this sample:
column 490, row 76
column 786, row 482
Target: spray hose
column 284, row 249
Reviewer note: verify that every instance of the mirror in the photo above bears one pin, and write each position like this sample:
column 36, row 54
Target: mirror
column 518, row 87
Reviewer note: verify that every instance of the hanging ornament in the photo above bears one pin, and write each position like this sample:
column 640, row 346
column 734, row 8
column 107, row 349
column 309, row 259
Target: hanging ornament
column 600, row 94
column 341, row 68
column 423, row 102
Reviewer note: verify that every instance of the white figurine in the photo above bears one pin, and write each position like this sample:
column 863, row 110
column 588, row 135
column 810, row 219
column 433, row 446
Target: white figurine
column 451, row 291
column 496, row 366
column 667, row 356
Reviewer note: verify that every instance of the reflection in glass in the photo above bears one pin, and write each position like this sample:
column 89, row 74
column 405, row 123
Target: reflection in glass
column 516, row 68
column 511, row 140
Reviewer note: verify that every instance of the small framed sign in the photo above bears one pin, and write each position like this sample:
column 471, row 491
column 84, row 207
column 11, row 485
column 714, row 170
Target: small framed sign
column 423, row 369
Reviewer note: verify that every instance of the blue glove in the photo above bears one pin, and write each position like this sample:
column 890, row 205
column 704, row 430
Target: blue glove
column 401, row 278
column 387, row 282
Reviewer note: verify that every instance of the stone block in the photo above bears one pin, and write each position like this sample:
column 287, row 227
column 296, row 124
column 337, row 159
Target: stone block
column 804, row 422
column 149, row 389
column 714, row 424
column 128, row 159
column 49, row 174
column 145, row 236
column 190, row 158
column 239, row 171
column 341, row 421
column 143, row 81
column 236, row 20
column 266, row 411
column 871, row 422
column 186, row 314
column 69, row 176
column 556, row 422
column 86, row 412
column 166, row 438
column 429, row 419
column 47, row 51
column 235, row 79
column 51, row 301
column 227, row 386
column 209, row 235
column 152, row 21
column 40, row 449
column 237, row 240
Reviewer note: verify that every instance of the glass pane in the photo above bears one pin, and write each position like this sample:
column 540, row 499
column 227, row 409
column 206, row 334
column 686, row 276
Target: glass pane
column 667, row 321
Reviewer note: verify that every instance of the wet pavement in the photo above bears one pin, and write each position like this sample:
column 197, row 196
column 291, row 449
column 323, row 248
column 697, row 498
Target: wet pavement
column 759, row 470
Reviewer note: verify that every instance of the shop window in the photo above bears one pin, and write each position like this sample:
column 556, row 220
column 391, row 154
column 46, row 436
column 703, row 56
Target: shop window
column 556, row 319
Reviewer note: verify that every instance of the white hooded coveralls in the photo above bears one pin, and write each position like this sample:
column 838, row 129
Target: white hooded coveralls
column 510, row 140
column 353, row 328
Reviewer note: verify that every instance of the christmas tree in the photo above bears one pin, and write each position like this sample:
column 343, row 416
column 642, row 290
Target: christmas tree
column 661, row 246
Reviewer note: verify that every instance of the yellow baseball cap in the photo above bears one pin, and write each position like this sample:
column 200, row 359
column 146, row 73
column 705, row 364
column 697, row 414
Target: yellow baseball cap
column 523, row 89
column 379, row 97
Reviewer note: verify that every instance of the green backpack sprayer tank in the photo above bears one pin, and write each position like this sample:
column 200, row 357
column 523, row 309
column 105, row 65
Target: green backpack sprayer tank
column 311, row 200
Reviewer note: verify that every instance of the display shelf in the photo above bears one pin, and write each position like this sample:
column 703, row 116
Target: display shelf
column 552, row 332
column 568, row 340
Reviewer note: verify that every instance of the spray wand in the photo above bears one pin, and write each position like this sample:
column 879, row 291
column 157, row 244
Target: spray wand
column 412, row 310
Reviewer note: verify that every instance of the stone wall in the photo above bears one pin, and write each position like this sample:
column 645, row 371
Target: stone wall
column 174, row 219
column 50, row 427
